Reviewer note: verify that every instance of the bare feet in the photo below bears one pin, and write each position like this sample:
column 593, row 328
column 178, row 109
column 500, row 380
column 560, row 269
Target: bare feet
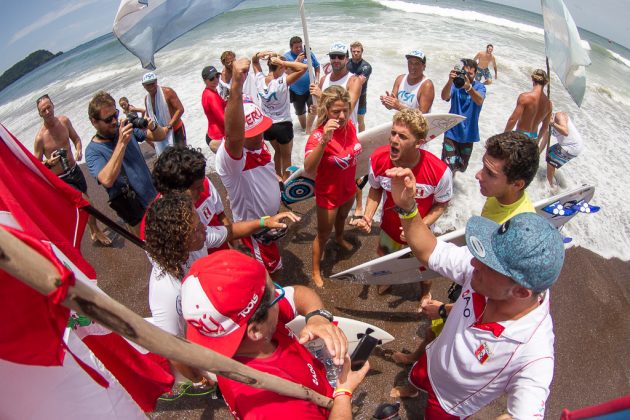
column 101, row 238
column 404, row 358
column 345, row 245
column 318, row 280
column 381, row 289
column 404, row 391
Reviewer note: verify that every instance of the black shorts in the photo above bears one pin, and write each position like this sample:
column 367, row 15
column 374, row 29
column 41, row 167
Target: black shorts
column 74, row 177
column 282, row 132
column 179, row 136
column 300, row 102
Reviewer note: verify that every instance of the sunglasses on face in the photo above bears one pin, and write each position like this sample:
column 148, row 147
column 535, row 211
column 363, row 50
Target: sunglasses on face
column 336, row 56
column 108, row 120
column 280, row 291
column 211, row 79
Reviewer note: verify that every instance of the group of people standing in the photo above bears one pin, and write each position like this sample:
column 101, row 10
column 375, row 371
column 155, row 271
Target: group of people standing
column 495, row 337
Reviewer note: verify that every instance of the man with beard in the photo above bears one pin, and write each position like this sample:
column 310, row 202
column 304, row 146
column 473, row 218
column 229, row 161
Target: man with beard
column 114, row 158
column 466, row 96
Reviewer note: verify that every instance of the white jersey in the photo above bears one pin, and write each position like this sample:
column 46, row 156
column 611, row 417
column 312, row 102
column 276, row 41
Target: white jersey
column 408, row 94
column 274, row 97
column 249, row 88
column 251, row 182
column 471, row 364
column 573, row 143
column 344, row 83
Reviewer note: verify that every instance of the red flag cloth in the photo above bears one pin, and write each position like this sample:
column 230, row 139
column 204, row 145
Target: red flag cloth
column 144, row 375
column 42, row 210
column 36, row 202
column 614, row 409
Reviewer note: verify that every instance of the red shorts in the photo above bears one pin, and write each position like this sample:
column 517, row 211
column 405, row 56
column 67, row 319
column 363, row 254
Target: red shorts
column 419, row 377
column 268, row 255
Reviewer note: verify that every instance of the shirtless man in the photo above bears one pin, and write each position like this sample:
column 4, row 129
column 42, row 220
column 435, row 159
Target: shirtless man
column 54, row 135
column 157, row 99
column 532, row 108
column 412, row 90
column 483, row 60
column 341, row 76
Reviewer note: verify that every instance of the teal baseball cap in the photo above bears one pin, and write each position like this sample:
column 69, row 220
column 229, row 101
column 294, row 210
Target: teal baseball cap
column 526, row 248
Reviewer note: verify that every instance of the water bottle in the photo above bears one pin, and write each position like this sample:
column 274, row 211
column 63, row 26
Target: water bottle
column 318, row 349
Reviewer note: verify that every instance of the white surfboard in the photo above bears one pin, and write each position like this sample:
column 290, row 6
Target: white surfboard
column 402, row 267
column 352, row 328
column 300, row 187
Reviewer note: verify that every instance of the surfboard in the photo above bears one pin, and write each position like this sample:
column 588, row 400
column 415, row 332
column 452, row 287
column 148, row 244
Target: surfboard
column 352, row 328
column 300, row 187
column 402, row 267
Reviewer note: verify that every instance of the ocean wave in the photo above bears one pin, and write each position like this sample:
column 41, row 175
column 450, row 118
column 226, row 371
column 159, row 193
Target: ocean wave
column 96, row 76
column 619, row 58
column 468, row 15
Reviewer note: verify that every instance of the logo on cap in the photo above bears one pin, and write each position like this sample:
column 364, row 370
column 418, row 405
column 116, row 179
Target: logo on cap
column 477, row 246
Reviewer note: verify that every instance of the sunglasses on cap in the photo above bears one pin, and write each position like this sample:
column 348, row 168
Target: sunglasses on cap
column 108, row 120
column 337, row 56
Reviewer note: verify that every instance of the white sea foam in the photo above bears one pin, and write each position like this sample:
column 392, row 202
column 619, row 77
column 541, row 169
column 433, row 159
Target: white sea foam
column 95, row 76
column 619, row 58
column 467, row 15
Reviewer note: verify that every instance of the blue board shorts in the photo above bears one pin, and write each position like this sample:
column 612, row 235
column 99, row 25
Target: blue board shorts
column 362, row 105
column 557, row 156
column 483, row 72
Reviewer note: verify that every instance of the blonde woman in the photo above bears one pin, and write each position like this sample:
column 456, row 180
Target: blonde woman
column 331, row 157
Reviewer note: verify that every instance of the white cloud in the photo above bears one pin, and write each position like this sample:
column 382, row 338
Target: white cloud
column 49, row 18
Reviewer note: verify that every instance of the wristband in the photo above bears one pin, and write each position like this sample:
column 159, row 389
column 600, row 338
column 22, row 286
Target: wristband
column 411, row 215
column 341, row 392
column 442, row 312
column 46, row 164
column 468, row 90
column 262, row 221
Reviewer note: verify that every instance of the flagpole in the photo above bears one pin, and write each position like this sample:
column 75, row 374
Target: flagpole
column 114, row 226
column 33, row 269
column 307, row 49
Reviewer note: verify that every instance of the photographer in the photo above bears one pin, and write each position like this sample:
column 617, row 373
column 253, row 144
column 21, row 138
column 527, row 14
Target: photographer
column 52, row 145
column 466, row 96
column 117, row 162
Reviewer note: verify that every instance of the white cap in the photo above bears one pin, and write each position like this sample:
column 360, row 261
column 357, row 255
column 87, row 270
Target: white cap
column 338, row 48
column 418, row 54
column 149, row 78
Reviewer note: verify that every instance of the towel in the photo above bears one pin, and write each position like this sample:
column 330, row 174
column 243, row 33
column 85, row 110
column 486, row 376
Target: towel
column 162, row 116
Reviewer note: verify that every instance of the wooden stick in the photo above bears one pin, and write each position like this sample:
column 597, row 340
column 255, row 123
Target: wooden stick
column 25, row 264
column 114, row 226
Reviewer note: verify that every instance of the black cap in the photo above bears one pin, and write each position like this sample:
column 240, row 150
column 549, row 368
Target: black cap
column 208, row 72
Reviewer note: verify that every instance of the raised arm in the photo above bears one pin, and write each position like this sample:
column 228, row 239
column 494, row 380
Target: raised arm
column 419, row 237
column 256, row 61
column 446, row 90
column 234, row 114
column 298, row 69
column 108, row 175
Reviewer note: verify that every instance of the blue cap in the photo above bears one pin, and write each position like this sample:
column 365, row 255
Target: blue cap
column 526, row 248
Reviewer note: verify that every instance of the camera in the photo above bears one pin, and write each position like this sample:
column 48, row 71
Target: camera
column 460, row 79
column 63, row 159
column 138, row 122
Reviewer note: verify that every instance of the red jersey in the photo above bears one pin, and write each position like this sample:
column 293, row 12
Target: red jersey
column 290, row 361
column 336, row 173
column 214, row 108
column 434, row 183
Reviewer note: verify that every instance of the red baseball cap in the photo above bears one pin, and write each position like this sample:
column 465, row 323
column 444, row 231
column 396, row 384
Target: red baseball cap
column 255, row 121
column 219, row 295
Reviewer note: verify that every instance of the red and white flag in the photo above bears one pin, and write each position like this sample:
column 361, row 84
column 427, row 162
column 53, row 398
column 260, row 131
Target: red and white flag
column 42, row 210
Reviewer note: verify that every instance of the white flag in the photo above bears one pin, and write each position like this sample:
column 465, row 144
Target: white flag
column 146, row 26
column 563, row 48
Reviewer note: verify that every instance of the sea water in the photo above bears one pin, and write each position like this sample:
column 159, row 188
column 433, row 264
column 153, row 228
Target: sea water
column 446, row 31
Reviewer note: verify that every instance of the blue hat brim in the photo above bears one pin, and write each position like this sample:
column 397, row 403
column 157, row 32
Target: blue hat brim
column 479, row 233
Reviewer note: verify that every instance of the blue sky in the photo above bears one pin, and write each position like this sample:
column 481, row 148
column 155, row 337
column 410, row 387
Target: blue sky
column 54, row 25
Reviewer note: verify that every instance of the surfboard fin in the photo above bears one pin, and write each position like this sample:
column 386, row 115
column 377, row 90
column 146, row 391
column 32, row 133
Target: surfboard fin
column 559, row 209
column 584, row 207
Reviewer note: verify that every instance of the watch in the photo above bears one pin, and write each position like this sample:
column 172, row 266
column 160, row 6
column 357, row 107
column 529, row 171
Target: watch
column 321, row 312
column 442, row 311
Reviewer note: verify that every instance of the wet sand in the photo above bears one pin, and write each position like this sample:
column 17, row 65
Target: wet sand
column 589, row 306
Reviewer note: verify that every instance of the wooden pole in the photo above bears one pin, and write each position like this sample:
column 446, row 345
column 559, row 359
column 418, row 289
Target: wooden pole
column 114, row 226
column 25, row 264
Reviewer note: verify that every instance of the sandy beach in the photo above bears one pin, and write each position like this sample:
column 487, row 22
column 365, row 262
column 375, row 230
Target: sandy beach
column 589, row 307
